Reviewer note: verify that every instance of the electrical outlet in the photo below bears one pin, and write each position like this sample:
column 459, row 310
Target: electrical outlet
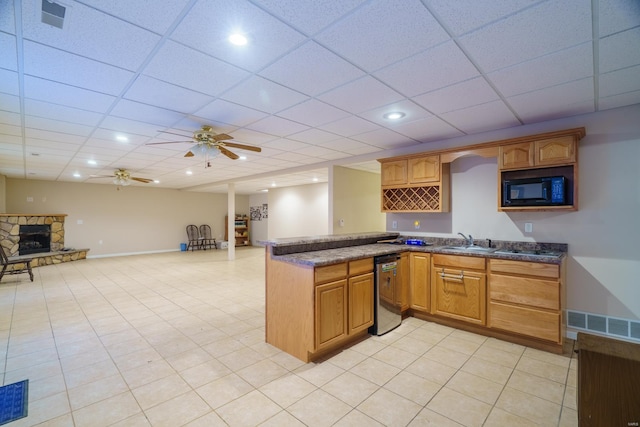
column 528, row 227
column 29, row 199
column 80, row 222
column 394, row 224
column 341, row 222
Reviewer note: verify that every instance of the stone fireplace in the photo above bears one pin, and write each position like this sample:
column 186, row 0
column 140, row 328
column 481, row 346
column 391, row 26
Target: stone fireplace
column 28, row 235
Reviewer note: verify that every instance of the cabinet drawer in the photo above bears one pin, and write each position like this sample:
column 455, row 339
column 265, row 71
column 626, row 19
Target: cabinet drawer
column 360, row 266
column 328, row 273
column 525, row 321
column 551, row 271
column 523, row 290
column 461, row 262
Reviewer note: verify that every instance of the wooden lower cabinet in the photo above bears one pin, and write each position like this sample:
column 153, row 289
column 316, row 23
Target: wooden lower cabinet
column 360, row 303
column 526, row 298
column 460, row 294
column 419, row 266
column 331, row 313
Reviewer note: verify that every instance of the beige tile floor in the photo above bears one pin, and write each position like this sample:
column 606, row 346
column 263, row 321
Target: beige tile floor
column 177, row 339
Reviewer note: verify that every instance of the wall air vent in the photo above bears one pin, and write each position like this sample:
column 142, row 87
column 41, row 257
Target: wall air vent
column 611, row 326
column 53, row 13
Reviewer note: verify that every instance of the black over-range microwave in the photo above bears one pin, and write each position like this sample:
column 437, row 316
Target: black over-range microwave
column 541, row 191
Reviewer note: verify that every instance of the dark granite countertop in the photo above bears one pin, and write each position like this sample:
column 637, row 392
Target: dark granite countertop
column 326, row 250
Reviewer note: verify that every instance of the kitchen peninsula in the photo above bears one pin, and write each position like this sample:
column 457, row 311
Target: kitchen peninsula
column 319, row 290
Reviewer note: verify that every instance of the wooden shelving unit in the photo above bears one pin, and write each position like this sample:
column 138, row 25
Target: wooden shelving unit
column 241, row 231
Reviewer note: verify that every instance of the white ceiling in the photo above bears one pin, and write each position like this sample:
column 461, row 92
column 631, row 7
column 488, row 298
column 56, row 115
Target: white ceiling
column 310, row 88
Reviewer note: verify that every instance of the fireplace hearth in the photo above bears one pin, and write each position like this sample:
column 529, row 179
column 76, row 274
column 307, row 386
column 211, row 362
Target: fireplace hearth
column 34, row 239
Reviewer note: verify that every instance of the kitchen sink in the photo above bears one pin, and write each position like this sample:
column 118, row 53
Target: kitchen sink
column 474, row 248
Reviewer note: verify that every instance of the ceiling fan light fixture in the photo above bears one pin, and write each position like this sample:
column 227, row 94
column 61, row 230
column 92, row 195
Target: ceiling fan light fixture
column 121, row 182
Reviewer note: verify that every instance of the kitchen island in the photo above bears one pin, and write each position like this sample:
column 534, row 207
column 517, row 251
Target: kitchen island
column 319, row 289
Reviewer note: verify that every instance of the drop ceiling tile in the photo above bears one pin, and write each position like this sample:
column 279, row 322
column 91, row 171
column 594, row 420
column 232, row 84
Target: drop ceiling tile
column 176, row 64
column 295, row 157
column 9, row 128
column 558, row 101
column 110, row 39
column 58, row 93
column 560, row 67
column 617, row 15
column 539, row 30
column 309, row 16
column 311, row 69
column 349, row 126
column 363, row 36
column 461, row 95
column 38, row 135
column 157, row 15
column 285, row 145
column 263, row 95
column 482, row 118
column 9, row 82
column 621, row 100
column 429, row 129
column 61, row 113
column 145, row 113
column 56, row 126
column 361, row 95
column 620, row 50
column 313, row 113
column 384, row 138
column 7, row 14
column 411, row 110
column 208, row 25
column 10, row 118
column 9, row 103
column 50, row 146
column 440, row 66
column 227, row 112
column 54, row 64
column 363, row 149
column 621, row 81
column 9, row 57
column 278, row 126
column 462, row 16
column 248, row 136
column 164, row 95
column 314, row 136
column 347, row 145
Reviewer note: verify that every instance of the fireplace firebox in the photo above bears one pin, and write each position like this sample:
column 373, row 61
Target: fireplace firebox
column 34, row 239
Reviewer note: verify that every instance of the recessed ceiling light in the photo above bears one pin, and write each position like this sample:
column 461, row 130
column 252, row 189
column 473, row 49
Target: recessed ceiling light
column 122, row 138
column 76, row 175
column 264, row 190
column 92, row 162
column 394, row 115
column 315, row 179
column 155, row 181
column 243, row 157
column 238, row 39
column 189, row 173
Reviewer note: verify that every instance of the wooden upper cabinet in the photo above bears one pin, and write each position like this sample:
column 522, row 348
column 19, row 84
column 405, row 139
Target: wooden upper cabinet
column 555, row 151
column 424, row 169
column 516, row 156
column 394, row 173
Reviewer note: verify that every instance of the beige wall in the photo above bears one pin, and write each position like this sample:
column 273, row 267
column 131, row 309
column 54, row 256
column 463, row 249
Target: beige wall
column 132, row 220
column 298, row 211
column 603, row 235
column 3, row 194
column 356, row 200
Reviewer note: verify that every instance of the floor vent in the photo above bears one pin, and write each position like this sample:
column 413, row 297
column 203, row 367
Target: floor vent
column 613, row 326
column 53, row 13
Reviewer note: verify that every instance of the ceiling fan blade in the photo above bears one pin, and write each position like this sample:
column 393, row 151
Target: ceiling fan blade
column 102, row 176
column 228, row 153
column 189, row 154
column 145, row 180
column 243, row 146
column 221, row 137
column 168, row 142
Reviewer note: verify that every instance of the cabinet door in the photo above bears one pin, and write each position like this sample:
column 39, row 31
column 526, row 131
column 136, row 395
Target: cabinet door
column 516, row 156
column 555, row 151
column 360, row 302
column 331, row 313
column 419, row 281
column 402, row 296
column 424, row 169
column 394, row 173
column 459, row 294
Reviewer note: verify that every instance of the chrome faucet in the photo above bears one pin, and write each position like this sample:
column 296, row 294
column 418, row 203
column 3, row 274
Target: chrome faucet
column 467, row 240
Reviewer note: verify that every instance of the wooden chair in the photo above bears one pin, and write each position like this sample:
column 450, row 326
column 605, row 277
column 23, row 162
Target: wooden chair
column 206, row 239
column 20, row 265
column 193, row 237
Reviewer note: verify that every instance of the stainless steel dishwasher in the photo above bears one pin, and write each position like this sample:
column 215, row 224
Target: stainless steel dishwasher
column 387, row 312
